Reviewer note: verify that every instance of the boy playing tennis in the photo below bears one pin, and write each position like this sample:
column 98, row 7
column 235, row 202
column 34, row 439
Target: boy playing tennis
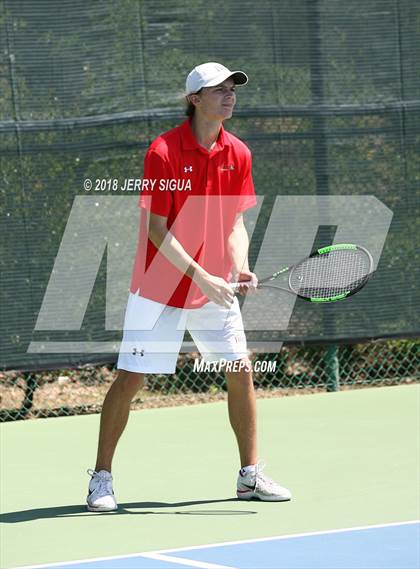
column 189, row 248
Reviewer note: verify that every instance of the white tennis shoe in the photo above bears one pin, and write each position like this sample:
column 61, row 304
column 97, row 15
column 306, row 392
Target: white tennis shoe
column 256, row 485
column 101, row 495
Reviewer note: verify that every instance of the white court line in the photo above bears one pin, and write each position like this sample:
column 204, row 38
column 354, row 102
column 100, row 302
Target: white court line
column 221, row 544
column 182, row 561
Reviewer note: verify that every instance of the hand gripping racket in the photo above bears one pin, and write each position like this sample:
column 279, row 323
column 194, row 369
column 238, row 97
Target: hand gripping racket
column 327, row 275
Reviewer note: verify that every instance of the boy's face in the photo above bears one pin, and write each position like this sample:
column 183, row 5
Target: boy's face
column 216, row 103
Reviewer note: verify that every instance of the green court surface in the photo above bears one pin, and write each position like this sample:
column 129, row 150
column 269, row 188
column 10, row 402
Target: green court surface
column 350, row 458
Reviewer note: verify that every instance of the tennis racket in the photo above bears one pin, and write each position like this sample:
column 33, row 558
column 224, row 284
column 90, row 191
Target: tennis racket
column 327, row 275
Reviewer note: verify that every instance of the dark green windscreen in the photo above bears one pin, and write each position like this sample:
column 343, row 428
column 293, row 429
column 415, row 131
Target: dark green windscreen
column 332, row 108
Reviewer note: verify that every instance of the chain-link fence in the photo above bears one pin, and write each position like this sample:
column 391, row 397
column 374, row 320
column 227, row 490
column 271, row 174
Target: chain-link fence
column 295, row 370
column 332, row 109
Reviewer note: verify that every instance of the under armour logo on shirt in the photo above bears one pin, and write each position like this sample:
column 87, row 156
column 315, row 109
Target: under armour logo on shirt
column 227, row 167
column 187, row 168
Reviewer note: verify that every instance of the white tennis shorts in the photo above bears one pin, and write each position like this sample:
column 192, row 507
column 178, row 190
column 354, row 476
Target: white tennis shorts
column 154, row 332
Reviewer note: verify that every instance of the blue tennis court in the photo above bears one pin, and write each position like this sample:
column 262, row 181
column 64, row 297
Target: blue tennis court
column 391, row 546
column 354, row 477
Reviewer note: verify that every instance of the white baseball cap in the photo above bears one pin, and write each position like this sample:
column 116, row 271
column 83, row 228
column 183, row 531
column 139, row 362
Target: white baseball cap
column 211, row 74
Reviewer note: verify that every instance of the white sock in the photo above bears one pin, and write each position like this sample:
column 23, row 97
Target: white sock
column 250, row 469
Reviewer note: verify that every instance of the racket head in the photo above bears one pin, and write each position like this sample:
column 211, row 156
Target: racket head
column 332, row 273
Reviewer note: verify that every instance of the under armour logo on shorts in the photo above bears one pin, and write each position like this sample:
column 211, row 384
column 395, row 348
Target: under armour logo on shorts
column 137, row 352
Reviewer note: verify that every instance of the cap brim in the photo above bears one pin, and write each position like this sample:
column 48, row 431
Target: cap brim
column 239, row 78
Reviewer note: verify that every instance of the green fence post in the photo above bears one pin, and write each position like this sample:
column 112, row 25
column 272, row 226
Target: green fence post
column 28, row 400
column 332, row 368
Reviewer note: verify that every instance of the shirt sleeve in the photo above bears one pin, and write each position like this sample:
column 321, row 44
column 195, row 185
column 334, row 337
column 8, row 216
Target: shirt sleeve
column 247, row 197
column 156, row 168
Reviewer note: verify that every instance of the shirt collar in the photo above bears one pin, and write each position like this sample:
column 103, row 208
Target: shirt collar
column 189, row 142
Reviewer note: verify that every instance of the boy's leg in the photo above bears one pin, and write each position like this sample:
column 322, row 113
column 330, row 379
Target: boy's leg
column 150, row 344
column 243, row 412
column 219, row 335
column 252, row 483
column 114, row 416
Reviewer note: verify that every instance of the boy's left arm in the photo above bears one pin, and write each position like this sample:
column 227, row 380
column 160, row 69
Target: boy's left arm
column 238, row 245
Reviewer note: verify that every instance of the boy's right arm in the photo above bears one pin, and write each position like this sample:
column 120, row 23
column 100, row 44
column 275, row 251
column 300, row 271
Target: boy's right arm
column 215, row 288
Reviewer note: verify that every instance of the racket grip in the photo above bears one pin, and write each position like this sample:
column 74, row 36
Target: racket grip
column 235, row 286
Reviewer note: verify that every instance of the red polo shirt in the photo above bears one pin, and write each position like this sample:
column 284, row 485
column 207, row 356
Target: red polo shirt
column 200, row 192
